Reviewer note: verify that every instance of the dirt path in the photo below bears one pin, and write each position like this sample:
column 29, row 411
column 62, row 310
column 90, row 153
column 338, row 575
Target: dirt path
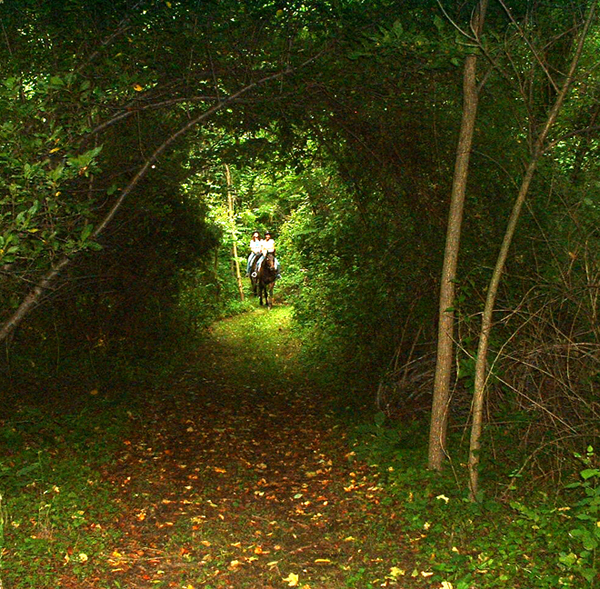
column 232, row 481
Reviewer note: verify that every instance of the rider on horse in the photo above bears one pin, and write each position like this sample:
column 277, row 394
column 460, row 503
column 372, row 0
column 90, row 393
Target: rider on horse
column 255, row 251
column 267, row 247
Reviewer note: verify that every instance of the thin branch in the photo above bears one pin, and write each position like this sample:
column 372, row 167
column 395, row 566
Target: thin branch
column 570, row 135
column 451, row 21
column 154, row 105
column 531, row 47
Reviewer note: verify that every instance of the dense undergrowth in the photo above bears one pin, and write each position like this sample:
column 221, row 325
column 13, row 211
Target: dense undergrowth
column 525, row 535
column 58, row 507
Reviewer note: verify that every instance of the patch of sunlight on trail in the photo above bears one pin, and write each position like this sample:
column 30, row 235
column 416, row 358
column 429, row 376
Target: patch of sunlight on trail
column 263, row 329
column 259, row 344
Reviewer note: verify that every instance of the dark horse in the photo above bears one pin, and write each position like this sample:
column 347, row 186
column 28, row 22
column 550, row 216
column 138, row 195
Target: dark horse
column 265, row 280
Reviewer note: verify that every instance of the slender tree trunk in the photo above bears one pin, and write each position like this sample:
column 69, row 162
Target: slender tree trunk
column 234, row 252
column 216, row 275
column 481, row 371
column 445, row 345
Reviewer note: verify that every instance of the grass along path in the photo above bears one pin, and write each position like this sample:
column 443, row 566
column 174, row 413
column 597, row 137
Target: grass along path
column 237, row 475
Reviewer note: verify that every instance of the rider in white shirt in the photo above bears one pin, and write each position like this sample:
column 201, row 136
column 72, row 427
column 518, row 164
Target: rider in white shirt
column 255, row 251
column 268, row 247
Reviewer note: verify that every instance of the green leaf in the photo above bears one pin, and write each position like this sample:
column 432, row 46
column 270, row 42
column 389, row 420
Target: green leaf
column 87, row 231
column 590, row 543
column 588, row 473
column 85, row 159
column 589, row 574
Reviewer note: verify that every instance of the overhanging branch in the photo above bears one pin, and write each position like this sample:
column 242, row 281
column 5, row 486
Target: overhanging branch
column 32, row 299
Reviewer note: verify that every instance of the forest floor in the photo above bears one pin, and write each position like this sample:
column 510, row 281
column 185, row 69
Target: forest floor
column 236, row 467
column 234, row 473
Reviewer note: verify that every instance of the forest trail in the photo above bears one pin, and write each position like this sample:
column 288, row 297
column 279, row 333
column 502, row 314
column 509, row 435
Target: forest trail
column 238, row 475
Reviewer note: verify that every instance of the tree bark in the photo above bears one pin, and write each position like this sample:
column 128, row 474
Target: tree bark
column 445, row 344
column 234, row 252
column 481, row 370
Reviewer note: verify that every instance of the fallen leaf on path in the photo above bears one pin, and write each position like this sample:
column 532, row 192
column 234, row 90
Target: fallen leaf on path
column 292, row 580
column 396, row 572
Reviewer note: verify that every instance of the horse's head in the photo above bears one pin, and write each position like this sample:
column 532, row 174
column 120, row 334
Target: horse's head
column 270, row 261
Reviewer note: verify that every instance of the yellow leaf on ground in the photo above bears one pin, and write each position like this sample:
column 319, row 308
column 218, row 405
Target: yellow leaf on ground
column 292, row 580
column 396, row 572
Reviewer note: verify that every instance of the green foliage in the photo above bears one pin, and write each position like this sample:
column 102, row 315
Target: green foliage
column 582, row 559
column 522, row 542
column 43, row 212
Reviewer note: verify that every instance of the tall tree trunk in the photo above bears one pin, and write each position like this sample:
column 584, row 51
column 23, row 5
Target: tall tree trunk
column 445, row 344
column 234, row 252
column 481, row 370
